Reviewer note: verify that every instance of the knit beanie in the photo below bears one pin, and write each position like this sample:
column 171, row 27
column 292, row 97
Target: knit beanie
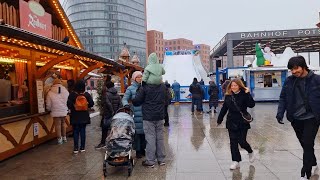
column 136, row 74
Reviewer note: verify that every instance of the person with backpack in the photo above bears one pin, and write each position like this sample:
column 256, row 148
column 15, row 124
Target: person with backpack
column 214, row 97
column 197, row 94
column 56, row 102
column 79, row 103
column 139, row 139
column 110, row 107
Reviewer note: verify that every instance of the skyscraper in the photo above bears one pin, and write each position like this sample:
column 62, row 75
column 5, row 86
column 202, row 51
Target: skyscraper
column 104, row 26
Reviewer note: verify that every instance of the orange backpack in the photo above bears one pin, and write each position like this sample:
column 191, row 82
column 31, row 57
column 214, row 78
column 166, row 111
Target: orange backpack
column 81, row 103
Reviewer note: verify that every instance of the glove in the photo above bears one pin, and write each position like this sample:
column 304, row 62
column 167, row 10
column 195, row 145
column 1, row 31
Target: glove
column 280, row 121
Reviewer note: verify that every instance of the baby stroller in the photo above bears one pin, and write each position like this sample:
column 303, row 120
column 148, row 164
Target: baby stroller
column 120, row 140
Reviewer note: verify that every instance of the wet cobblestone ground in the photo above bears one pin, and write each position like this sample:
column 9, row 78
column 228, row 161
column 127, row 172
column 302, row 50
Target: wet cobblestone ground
column 196, row 149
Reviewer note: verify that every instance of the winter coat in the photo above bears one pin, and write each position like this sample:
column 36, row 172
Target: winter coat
column 234, row 118
column 196, row 90
column 213, row 92
column 128, row 96
column 153, row 72
column 56, row 101
column 287, row 97
column 112, row 103
column 79, row 117
column 152, row 99
column 176, row 87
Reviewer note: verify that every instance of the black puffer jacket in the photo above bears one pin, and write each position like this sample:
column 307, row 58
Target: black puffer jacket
column 196, row 90
column 153, row 99
column 214, row 95
column 234, row 118
column 112, row 102
column 79, row 117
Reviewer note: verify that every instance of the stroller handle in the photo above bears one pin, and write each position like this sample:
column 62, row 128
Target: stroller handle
column 125, row 109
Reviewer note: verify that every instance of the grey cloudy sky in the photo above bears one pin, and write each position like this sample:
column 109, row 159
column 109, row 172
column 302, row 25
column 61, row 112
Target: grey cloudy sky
column 207, row 21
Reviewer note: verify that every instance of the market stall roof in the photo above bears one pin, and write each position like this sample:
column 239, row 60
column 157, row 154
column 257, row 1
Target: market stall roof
column 24, row 38
column 243, row 43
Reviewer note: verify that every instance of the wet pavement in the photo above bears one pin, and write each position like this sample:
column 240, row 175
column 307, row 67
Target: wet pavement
column 196, row 149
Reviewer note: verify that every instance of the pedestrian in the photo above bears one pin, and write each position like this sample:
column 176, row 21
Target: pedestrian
column 139, row 139
column 197, row 95
column 111, row 104
column 167, row 83
column 153, row 72
column 225, row 85
column 152, row 99
column 300, row 98
column 201, row 82
column 176, row 90
column 237, row 97
column 213, row 99
column 168, row 100
column 79, row 103
column 56, row 102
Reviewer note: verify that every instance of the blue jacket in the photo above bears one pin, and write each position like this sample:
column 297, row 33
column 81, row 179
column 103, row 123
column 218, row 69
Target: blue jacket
column 128, row 96
column 287, row 97
column 175, row 86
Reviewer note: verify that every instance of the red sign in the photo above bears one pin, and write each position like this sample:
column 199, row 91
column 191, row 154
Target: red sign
column 33, row 18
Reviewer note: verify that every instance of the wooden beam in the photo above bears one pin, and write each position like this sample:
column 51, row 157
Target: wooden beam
column 51, row 63
column 91, row 68
column 31, row 69
column 76, row 70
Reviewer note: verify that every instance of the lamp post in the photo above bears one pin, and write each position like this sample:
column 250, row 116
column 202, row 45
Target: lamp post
column 218, row 64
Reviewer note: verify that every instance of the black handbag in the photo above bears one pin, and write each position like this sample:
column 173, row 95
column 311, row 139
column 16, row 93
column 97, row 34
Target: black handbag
column 246, row 116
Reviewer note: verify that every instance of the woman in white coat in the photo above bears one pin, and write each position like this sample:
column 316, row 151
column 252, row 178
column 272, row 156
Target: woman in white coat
column 56, row 102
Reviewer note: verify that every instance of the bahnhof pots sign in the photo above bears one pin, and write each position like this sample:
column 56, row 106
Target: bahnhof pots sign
column 33, row 18
column 277, row 34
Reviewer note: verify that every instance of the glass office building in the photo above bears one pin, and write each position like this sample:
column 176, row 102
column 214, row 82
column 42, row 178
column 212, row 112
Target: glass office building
column 103, row 26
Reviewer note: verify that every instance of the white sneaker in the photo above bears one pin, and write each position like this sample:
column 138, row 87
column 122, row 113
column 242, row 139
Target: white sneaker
column 303, row 178
column 251, row 157
column 60, row 141
column 234, row 165
column 64, row 139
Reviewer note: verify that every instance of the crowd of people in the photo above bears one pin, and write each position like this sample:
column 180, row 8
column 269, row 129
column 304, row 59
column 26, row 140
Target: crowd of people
column 149, row 99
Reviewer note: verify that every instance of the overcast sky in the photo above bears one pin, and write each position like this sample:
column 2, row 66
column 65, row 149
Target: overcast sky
column 207, row 21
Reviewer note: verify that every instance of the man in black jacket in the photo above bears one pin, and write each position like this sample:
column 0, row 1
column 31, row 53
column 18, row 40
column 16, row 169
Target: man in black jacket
column 153, row 99
column 197, row 95
column 300, row 98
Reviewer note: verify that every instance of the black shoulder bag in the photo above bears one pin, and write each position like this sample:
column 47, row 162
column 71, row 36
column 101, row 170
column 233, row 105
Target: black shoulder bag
column 246, row 116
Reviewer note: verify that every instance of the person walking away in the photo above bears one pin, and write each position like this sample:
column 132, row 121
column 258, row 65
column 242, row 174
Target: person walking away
column 139, row 139
column 237, row 94
column 197, row 94
column 79, row 103
column 153, row 72
column 152, row 99
column 176, row 90
column 168, row 100
column 213, row 99
column 111, row 105
column 300, row 99
column 225, row 85
column 56, row 102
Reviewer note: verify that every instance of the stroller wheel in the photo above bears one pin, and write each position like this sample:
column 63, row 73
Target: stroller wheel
column 104, row 169
column 130, row 168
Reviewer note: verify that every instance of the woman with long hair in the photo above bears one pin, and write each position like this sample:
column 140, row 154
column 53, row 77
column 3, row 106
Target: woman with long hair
column 237, row 98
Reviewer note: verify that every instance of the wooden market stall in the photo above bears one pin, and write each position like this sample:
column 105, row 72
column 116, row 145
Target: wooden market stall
column 37, row 43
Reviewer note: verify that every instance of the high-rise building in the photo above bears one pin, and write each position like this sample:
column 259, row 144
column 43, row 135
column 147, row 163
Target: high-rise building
column 104, row 26
column 204, row 52
column 178, row 44
column 156, row 43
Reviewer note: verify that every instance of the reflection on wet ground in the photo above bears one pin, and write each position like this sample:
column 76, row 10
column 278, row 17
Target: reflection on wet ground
column 196, row 149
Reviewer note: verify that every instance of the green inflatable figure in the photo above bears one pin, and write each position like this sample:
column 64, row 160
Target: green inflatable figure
column 259, row 55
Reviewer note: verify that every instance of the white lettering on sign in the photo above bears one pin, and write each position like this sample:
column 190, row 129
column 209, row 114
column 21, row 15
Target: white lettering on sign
column 285, row 33
column 35, row 22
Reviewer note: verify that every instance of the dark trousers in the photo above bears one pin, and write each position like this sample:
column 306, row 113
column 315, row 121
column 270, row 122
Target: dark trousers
column 166, row 115
column 176, row 96
column 306, row 131
column 198, row 103
column 104, row 135
column 238, row 137
column 79, row 130
column 140, row 143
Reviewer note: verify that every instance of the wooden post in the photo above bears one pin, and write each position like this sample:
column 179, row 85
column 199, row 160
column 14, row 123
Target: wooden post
column 31, row 70
column 76, row 69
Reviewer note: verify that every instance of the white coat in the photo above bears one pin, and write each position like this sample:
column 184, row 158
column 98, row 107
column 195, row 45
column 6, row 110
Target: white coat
column 57, row 102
